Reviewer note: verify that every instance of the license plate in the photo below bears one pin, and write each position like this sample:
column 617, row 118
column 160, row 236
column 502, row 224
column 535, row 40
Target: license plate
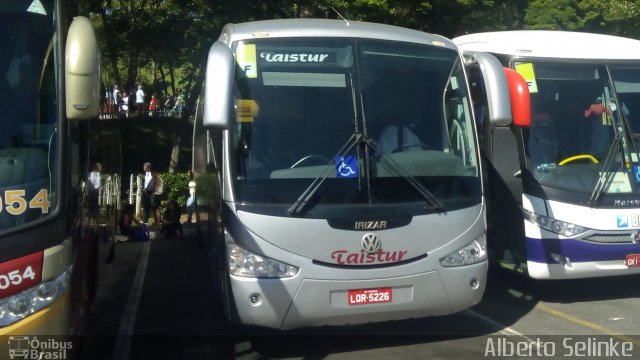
column 633, row 260
column 369, row 296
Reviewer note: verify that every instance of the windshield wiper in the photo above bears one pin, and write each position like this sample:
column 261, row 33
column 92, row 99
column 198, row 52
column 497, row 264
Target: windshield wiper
column 356, row 138
column 605, row 174
column 396, row 169
column 391, row 165
column 306, row 195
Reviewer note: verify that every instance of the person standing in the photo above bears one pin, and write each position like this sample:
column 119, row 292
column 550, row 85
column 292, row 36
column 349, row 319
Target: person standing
column 156, row 186
column 168, row 105
column 139, row 101
column 124, row 104
column 116, row 99
column 601, row 127
column 191, row 200
column 179, row 106
column 108, row 101
column 153, row 105
column 146, row 192
column 95, row 177
column 93, row 195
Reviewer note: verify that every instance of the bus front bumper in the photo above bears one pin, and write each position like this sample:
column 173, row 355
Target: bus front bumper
column 573, row 259
column 293, row 302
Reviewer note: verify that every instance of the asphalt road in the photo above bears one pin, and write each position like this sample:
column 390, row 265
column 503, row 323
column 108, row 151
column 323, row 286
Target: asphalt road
column 157, row 301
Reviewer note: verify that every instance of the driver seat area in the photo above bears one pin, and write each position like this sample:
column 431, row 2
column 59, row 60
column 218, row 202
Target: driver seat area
column 394, row 138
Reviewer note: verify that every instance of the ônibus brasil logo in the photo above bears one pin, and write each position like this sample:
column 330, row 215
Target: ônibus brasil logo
column 30, row 347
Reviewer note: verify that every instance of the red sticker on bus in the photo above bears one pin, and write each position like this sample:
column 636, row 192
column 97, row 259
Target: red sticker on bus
column 20, row 274
column 369, row 296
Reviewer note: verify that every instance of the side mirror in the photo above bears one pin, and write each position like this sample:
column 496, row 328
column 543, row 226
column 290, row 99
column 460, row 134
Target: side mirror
column 82, row 71
column 520, row 98
column 218, row 91
column 495, row 84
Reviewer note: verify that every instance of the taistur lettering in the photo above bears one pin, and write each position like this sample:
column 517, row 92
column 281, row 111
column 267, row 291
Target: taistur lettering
column 343, row 257
column 292, row 58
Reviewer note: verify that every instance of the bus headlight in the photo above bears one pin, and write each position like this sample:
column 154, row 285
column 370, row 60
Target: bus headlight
column 473, row 253
column 242, row 262
column 553, row 225
column 18, row 306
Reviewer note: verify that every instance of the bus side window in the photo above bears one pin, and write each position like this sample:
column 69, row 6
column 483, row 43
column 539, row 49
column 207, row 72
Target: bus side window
column 20, row 166
column 479, row 99
column 21, row 169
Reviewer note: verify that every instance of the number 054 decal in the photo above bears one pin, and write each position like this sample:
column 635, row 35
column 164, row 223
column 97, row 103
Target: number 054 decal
column 20, row 274
column 15, row 202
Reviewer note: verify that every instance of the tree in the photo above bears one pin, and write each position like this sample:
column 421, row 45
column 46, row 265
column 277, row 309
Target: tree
column 553, row 15
column 163, row 44
column 620, row 17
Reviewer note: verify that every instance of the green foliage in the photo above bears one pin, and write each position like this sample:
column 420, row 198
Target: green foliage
column 621, row 10
column 163, row 44
column 621, row 17
column 176, row 187
column 159, row 44
column 553, row 15
column 207, row 189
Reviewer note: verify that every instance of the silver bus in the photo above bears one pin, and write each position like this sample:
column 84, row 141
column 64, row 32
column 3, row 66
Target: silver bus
column 337, row 173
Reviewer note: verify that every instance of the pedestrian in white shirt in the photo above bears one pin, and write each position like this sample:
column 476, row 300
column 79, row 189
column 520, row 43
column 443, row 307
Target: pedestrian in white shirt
column 140, row 105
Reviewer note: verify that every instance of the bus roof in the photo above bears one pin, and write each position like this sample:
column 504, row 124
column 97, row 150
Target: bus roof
column 552, row 44
column 327, row 28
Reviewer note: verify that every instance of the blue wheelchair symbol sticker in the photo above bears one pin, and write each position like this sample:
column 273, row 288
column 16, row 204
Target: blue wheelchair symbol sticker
column 623, row 221
column 346, row 167
column 636, row 173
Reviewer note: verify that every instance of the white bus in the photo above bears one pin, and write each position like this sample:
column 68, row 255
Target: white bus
column 337, row 165
column 564, row 185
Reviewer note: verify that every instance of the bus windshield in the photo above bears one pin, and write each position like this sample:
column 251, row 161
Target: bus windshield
column 379, row 120
column 626, row 79
column 578, row 140
column 28, row 111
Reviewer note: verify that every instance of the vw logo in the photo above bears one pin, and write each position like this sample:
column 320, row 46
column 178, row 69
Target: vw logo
column 635, row 237
column 371, row 243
